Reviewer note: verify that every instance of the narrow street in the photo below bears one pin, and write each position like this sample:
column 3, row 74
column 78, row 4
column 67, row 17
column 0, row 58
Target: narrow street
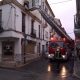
column 31, row 30
column 41, row 70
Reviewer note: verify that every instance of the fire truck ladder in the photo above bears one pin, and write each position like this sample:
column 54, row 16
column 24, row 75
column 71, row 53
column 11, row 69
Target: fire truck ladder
column 51, row 21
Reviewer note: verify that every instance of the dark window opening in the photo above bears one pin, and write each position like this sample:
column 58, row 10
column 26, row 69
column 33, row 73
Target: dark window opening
column 33, row 2
column 32, row 26
column 43, row 33
column 0, row 18
column 8, row 48
column 33, row 31
column 23, row 22
column 39, row 31
column 39, row 47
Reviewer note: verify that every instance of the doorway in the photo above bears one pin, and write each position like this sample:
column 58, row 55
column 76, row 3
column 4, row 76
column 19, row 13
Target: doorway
column 8, row 49
column 43, row 50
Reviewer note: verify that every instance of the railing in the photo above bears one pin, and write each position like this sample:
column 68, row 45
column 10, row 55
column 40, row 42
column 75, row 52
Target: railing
column 32, row 5
column 56, row 21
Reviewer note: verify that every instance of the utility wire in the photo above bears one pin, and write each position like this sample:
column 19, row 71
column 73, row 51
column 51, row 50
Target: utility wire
column 60, row 2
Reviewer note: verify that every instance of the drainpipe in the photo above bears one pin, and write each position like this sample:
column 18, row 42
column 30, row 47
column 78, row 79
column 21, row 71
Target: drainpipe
column 25, row 48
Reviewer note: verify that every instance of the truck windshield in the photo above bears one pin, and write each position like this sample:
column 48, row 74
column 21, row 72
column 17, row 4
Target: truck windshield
column 56, row 44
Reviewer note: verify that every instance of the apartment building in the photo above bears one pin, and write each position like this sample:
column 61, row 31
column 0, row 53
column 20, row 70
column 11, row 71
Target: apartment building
column 24, row 33
column 77, row 24
column 25, row 30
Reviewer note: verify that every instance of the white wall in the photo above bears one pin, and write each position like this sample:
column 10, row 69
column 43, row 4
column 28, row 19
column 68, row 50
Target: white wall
column 21, row 1
column 28, row 24
column 47, row 29
column 17, row 50
column 18, row 21
column 37, row 14
column 6, row 16
column 36, row 27
column 11, row 17
column 11, row 34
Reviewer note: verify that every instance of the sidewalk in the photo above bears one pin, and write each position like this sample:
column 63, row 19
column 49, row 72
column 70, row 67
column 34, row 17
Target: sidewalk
column 13, row 65
column 77, row 67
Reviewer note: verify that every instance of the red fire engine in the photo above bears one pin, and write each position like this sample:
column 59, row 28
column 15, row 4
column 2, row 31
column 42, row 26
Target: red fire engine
column 58, row 49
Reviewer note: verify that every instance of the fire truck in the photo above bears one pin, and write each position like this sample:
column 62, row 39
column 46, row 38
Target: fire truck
column 58, row 49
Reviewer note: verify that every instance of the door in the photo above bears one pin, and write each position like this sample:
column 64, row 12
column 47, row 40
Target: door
column 43, row 50
column 7, row 48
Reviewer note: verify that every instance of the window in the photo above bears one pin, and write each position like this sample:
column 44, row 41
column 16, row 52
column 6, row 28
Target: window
column 23, row 22
column 39, row 31
column 8, row 48
column 33, row 31
column 46, row 34
column 33, row 2
column 32, row 26
column 43, row 33
column 0, row 18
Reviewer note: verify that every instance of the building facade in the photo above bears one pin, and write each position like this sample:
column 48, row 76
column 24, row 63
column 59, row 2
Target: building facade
column 77, row 24
column 25, row 30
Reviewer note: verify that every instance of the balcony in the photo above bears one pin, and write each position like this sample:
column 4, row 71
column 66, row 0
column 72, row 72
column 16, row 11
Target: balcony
column 33, row 33
column 31, row 5
column 76, row 25
column 77, row 21
column 77, row 32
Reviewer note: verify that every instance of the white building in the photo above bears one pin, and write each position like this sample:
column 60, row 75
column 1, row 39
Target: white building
column 24, row 32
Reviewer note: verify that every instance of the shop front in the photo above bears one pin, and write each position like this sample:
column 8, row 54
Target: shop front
column 7, row 50
column 10, row 51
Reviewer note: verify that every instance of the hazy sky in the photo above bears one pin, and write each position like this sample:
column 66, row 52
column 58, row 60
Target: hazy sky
column 65, row 11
